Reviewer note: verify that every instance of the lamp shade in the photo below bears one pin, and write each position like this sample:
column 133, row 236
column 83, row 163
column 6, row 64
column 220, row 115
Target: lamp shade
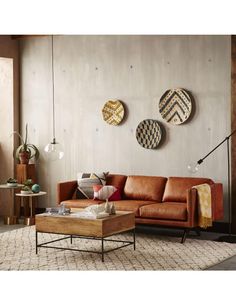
column 54, row 151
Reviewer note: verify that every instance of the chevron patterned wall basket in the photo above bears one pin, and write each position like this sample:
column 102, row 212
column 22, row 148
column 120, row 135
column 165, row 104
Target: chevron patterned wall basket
column 148, row 133
column 175, row 106
column 113, row 112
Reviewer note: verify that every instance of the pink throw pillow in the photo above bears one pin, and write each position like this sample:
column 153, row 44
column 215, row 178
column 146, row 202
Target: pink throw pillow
column 109, row 192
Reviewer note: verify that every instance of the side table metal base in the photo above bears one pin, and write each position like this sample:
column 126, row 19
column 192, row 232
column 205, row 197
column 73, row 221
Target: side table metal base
column 29, row 221
column 10, row 220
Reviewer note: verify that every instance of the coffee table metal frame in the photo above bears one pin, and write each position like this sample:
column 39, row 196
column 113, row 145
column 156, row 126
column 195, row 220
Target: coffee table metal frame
column 103, row 239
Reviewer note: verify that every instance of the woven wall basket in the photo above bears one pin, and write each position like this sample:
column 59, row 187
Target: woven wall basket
column 113, row 112
column 175, row 106
column 148, row 134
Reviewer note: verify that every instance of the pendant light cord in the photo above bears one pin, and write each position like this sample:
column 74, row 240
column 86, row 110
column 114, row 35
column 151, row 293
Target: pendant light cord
column 53, row 101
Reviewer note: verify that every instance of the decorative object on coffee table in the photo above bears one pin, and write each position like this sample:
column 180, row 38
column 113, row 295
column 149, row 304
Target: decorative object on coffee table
column 107, row 207
column 113, row 112
column 113, row 208
column 54, row 150
column 148, row 133
column 58, row 210
column 110, row 207
column 94, row 211
column 25, row 151
column 30, row 220
column 175, row 106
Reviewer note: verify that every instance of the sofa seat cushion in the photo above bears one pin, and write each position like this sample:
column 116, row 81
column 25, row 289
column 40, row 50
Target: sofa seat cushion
column 144, row 188
column 80, row 203
column 167, row 210
column 131, row 205
column 176, row 188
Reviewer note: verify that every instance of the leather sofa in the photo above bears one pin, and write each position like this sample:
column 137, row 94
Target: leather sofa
column 170, row 202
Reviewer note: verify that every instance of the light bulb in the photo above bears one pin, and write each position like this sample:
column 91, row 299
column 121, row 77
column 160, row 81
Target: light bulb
column 54, row 151
column 193, row 167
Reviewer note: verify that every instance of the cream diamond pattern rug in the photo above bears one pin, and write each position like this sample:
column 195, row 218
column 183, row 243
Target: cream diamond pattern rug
column 153, row 252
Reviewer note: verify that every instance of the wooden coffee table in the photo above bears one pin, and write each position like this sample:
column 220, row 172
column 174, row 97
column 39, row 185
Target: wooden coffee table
column 96, row 229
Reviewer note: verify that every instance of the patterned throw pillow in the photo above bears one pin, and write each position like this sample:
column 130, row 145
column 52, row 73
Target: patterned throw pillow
column 86, row 182
column 106, row 192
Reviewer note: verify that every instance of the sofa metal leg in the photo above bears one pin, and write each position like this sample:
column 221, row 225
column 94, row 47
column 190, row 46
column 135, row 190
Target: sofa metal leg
column 198, row 232
column 184, row 235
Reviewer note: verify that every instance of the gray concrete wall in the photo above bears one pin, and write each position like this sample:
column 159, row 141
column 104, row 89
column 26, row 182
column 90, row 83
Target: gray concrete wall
column 90, row 70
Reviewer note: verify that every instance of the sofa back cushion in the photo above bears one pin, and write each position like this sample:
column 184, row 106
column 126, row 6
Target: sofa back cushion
column 176, row 187
column 144, row 188
column 116, row 180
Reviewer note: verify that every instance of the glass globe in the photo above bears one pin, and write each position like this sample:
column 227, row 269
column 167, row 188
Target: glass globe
column 54, row 151
column 193, row 167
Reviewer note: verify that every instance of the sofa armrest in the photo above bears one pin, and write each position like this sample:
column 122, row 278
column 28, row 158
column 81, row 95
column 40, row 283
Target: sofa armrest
column 192, row 207
column 217, row 201
column 65, row 190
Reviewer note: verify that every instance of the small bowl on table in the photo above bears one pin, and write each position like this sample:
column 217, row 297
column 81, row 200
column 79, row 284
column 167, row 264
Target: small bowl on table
column 26, row 192
column 12, row 184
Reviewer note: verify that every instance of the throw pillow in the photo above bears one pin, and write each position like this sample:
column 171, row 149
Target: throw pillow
column 85, row 184
column 109, row 192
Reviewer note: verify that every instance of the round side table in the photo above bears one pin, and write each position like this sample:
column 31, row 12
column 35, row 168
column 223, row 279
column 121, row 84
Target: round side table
column 11, row 218
column 29, row 221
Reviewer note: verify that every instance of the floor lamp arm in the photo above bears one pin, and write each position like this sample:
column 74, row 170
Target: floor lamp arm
column 226, row 139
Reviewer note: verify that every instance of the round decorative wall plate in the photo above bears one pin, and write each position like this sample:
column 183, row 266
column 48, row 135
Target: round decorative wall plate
column 148, row 133
column 113, row 112
column 175, row 106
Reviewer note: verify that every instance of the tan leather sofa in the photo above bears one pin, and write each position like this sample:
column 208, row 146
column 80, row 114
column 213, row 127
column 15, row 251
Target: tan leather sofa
column 161, row 201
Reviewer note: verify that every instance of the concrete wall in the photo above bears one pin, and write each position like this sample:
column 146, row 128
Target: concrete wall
column 90, row 70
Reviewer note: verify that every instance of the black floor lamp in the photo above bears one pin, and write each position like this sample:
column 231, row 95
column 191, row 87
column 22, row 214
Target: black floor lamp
column 194, row 168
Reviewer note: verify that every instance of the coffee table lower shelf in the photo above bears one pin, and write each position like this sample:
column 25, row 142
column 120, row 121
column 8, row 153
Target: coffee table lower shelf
column 126, row 243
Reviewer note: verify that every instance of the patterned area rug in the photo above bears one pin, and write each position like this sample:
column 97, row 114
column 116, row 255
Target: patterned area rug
column 17, row 252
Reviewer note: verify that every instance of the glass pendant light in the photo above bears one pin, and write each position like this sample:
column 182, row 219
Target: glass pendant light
column 54, row 150
column 193, row 167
